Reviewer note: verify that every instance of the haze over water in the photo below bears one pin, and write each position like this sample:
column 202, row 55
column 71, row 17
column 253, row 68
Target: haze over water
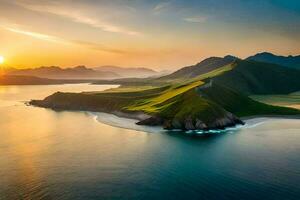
column 68, row 155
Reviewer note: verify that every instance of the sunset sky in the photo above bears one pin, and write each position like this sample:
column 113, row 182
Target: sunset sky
column 133, row 33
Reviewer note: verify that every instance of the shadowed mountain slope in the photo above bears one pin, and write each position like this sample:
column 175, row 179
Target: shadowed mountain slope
column 205, row 66
column 288, row 61
column 250, row 77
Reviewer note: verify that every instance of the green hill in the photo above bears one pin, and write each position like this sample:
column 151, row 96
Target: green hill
column 240, row 104
column 192, row 105
column 251, row 77
column 205, row 69
column 248, row 77
column 205, row 66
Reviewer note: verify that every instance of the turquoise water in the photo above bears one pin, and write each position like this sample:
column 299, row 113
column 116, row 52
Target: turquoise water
column 70, row 155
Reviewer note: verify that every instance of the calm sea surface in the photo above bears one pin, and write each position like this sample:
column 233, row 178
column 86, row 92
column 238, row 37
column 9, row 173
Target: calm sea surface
column 70, row 155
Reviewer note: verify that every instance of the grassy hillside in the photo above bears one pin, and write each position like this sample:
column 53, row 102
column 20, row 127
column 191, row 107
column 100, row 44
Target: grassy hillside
column 186, row 106
column 250, row 77
column 205, row 69
column 157, row 103
column 240, row 104
column 205, row 66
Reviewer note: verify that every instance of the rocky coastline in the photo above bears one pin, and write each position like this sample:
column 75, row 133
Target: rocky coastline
column 191, row 123
column 188, row 123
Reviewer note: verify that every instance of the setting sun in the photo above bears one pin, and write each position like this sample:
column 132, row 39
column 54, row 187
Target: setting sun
column 1, row 59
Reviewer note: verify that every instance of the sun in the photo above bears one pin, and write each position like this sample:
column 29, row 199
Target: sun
column 1, row 59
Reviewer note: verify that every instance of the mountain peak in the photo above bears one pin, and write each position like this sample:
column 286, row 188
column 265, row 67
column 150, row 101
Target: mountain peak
column 288, row 61
column 231, row 57
column 265, row 53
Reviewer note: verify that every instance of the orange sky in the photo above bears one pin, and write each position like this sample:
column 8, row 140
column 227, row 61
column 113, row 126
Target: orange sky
column 157, row 34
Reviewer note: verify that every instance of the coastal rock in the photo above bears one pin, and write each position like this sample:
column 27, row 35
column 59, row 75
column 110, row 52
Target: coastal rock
column 151, row 121
column 228, row 120
column 200, row 124
column 176, row 124
column 167, row 125
column 221, row 123
column 188, row 124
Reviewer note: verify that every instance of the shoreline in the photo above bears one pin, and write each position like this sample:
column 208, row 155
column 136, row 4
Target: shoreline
column 123, row 122
column 134, row 115
column 141, row 116
column 119, row 120
column 146, row 119
column 129, row 121
column 134, row 118
column 181, row 113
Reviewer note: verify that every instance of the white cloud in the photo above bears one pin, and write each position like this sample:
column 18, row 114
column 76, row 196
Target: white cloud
column 51, row 38
column 34, row 34
column 77, row 16
column 161, row 6
column 196, row 19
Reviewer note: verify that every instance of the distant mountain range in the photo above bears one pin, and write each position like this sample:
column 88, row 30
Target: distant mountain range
column 247, row 76
column 288, row 61
column 128, row 72
column 53, row 72
column 82, row 72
